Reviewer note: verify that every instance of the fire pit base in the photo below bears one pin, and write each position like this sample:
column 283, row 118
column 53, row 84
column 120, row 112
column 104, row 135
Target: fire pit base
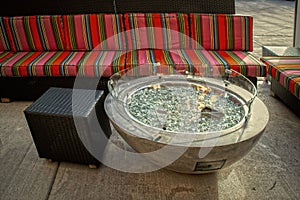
column 222, row 151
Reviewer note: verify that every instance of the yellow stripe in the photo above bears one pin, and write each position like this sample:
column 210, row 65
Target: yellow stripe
column 227, row 31
column 243, row 25
column 68, row 63
column 100, row 69
column 212, row 30
column 86, row 44
column 115, row 30
column 169, row 31
column 137, row 35
column 152, row 33
column 33, row 71
column 2, row 39
column 16, row 35
column 45, row 38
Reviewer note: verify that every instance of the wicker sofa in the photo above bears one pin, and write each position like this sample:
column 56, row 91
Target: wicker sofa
column 50, row 49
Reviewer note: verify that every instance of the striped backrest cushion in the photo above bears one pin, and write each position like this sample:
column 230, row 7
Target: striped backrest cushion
column 6, row 43
column 156, row 30
column 94, row 31
column 221, row 32
column 36, row 33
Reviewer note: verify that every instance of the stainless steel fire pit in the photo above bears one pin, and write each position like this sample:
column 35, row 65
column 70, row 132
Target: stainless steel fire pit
column 204, row 123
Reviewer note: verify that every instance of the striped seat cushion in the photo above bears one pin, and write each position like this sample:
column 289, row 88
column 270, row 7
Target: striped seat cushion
column 36, row 33
column 285, row 70
column 102, row 63
column 6, row 42
column 143, row 62
column 156, row 30
column 54, row 63
column 221, row 32
column 94, row 31
column 195, row 61
column 62, row 63
column 5, row 55
column 211, row 62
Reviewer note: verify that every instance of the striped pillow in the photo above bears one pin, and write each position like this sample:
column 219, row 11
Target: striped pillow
column 36, row 33
column 221, row 32
column 94, row 31
column 157, row 30
column 5, row 35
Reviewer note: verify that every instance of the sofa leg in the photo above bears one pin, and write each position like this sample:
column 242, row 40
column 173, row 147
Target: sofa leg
column 93, row 166
column 272, row 93
column 253, row 80
column 6, row 100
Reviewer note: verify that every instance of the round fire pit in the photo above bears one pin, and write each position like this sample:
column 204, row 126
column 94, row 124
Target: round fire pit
column 186, row 122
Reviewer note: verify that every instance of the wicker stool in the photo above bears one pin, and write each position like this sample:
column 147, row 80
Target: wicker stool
column 51, row 122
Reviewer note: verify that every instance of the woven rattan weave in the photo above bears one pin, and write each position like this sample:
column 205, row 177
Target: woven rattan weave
column 51, row 122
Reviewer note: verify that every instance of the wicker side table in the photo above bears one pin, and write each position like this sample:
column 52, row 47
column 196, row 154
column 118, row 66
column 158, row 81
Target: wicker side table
column 51, row 122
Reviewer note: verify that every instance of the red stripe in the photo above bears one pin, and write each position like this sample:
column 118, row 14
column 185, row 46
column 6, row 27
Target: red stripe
column 291, row 86
column 158, row 32
column 94, row 28
column 236, row 68
column 35, row 33
column 55, row 65
column 273, row 72
column 250, row 34
column 222, row 32
column 159, row 56
column 9, row 33
column 206, row 31
column 187, row 37
column 142, row 38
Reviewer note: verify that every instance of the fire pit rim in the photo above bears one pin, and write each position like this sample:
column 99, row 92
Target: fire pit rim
column 213, row 134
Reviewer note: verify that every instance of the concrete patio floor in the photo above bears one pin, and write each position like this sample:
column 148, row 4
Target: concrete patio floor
column 271, row 170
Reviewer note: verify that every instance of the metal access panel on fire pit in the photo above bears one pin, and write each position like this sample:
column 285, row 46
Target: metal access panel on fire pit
column 209, row 166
